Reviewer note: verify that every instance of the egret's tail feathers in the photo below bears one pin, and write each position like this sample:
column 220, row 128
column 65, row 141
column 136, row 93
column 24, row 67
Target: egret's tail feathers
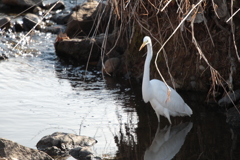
column 188, row 110
column 167, row 115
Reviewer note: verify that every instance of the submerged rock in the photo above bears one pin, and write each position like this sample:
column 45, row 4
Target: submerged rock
column 233, row 117
column 60, row 143
column 83, row 153
column 12, row 150
column 111, row 66
column 227, row 102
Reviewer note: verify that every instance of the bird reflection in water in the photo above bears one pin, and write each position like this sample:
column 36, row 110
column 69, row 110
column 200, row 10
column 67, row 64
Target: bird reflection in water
column 167, row 142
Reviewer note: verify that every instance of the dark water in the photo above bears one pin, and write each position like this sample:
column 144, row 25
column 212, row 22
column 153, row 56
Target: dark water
column 41, row 95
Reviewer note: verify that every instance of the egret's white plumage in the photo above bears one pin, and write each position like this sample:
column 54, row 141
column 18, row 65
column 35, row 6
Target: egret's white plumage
column 155, row 91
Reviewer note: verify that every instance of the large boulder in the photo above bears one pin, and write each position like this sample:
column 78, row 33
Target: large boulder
column 78, row 50
column 22, row 2
column 60, row 143
column 88, row 18
column 80, row 22
column 12, row 150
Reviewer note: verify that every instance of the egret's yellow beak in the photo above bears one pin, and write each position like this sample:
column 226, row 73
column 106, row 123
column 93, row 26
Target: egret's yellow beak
column 143, row 45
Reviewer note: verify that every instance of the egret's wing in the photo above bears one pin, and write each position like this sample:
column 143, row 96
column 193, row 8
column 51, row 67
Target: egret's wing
column 174, row 104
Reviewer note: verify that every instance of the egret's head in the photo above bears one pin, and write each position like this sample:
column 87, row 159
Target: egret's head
column 146, row 41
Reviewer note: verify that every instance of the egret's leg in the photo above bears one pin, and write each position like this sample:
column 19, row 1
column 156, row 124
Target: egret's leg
column 158, row 116
column 154, row 104
column 166, row 114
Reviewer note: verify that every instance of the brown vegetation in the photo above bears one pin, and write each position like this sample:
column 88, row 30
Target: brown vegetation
column 196, row 47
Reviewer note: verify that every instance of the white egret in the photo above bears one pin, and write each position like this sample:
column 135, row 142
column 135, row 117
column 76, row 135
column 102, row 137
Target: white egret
column 156, row 91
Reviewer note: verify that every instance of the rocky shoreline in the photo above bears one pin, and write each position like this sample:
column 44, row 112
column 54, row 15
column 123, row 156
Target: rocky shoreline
column 50, row 147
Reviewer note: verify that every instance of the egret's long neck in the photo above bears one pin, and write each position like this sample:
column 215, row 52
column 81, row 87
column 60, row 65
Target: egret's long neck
column 146, row 73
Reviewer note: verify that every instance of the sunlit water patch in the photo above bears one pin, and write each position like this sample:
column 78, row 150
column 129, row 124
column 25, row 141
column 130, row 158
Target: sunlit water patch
column 39, row 96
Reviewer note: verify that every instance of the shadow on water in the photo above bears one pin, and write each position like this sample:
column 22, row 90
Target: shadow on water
column 209, row 138
column 205, row 135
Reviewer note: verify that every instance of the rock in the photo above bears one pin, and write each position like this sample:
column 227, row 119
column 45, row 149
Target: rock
column 226, row 102
column 199, row 16
column 201, row 67
column 82, row 153
column 3, row 56
column 60, row 143
column 80, row 22
column 193, row 84
column 221, row 9
column 78, row 50
column 37, row 10
column 111, row 66
column 60, row 19
column 5, row 22
column 84, row 19
column 59, row 5
column 233, row 117
column 30, row 20
column 22, row 2
column 12, row 150
column 54, row 29
column 18, row 26
column 104, row 11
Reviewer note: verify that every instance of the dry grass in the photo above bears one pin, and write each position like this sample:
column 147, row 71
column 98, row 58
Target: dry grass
column 186, row 35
